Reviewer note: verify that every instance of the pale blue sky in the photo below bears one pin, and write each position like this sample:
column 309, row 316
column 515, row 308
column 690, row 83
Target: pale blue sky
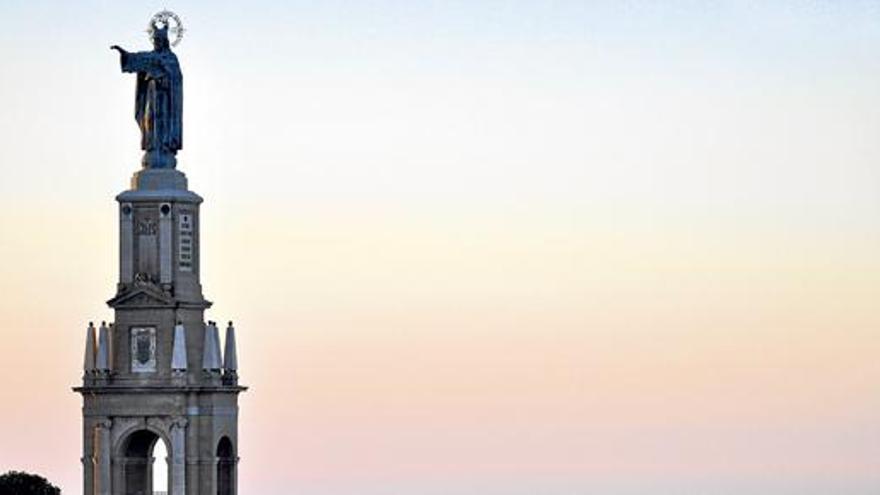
column 690, row 102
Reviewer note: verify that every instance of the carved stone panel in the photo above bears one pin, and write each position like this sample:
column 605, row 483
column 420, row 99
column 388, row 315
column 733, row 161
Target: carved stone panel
column 185, row 241
column 146, row 230
column 143, row 349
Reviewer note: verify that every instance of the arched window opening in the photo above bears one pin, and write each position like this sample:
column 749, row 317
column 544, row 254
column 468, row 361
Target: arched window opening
column 160, row 469
column 145, row 464
column 225, row 467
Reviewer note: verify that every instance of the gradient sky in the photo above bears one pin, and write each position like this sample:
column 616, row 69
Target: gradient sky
column 494, row 248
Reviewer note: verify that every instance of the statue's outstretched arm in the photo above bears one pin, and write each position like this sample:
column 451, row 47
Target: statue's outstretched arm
column 138, row 62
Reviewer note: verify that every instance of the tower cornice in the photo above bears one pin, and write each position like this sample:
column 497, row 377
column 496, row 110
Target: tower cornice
column 158, row 389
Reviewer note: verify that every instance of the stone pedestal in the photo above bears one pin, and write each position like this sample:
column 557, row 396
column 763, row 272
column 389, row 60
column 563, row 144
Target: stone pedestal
column 143, row 394
column 158, row 179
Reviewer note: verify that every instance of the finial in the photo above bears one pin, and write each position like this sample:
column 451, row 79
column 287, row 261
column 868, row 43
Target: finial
column 178, row 350
column 102, row 360
column 230, row 357
column 91, row 349
column 211, row 349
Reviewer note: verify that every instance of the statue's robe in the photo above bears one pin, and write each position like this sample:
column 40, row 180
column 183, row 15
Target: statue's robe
column 159, row 99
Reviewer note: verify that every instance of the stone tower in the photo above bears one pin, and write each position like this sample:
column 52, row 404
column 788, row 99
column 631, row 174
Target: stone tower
column 157, row 373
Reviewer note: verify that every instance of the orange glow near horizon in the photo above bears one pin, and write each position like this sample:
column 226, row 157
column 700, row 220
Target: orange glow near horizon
column 544, row 351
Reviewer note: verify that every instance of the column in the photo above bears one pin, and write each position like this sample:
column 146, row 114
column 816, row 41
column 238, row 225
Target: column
column 165, row 246
column 126, row 244
column 177, row 473
column 102, row 457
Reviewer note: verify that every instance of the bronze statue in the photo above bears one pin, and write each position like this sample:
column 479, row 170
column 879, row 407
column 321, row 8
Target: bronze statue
column 158, row 98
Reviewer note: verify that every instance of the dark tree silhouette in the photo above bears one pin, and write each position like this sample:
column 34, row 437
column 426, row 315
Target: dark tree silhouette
column 21, row 483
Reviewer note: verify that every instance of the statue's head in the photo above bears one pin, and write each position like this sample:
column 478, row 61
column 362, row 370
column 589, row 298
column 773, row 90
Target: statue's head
column 159, row 34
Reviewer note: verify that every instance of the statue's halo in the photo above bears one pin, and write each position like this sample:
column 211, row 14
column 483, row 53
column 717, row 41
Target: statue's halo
column 165, row 19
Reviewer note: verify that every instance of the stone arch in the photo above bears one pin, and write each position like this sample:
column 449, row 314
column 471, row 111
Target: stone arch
column 124, row 429
column 134, row 460
column 226, row 460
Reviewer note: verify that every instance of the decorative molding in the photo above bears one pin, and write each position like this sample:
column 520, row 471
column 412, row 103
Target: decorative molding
column 179, row 422
column 142, row 294
column 146, row 226
column 212, row 411
column 158, row 423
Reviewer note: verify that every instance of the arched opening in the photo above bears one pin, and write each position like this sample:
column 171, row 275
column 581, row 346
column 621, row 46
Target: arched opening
column 225, row 467
column 139, row 475
column 160, row 469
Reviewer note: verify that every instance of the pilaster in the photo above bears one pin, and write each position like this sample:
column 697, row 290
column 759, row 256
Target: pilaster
column 177, row 469
column 101, row 458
